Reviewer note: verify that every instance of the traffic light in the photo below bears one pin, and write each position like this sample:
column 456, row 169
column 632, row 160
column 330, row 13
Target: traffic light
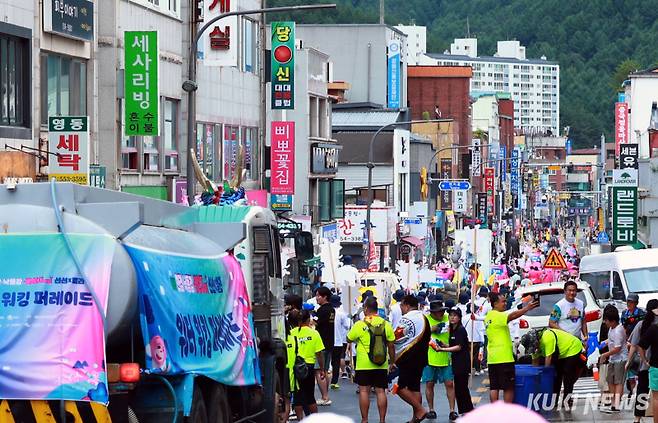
column 424, row 187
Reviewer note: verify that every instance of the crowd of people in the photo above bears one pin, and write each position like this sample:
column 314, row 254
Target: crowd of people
column 427, row 339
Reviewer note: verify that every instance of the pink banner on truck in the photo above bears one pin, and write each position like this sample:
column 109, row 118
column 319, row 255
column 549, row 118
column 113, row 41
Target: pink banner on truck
column 53, row 342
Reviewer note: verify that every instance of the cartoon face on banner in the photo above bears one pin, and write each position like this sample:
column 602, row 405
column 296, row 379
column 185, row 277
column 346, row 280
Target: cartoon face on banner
column 195, row 316
column 53, row 341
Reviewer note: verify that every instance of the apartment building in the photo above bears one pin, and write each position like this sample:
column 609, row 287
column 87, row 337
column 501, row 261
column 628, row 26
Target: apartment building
column 533, row 83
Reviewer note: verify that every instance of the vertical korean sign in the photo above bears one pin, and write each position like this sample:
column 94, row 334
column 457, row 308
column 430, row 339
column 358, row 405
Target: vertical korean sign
column 282, row 158
column 514, row 174
column 68, row 145
column 628, row 156
column 476, row 157
column 624, row 215
column 621, row 125
column 482, row 207
column 218, row 50
column 142, row 105
column 283, row 65
column 489, row 173
column 446, row 173
column 393, row 98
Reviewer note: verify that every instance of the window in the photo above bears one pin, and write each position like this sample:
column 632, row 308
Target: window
column 599, row 282
column 230, row 151
column 166, row 6
column 249, row 45
column 170, row 135
column 641, row 280
column 14, row 81
column 208, row 144
column 153, row 148
column 331, row 199
column 313, row 123
column 249, row 140
column 65, row 90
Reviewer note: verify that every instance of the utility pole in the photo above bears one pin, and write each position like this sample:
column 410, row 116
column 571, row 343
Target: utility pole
column 381, row 12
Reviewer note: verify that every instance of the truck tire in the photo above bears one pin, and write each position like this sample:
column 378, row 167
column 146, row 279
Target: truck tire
column 219, row 411
column 198, row 414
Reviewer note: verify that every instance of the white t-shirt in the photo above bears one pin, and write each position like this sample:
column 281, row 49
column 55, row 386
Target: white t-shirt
column 395, row 315
column 616, row 338
column 482, row 307
column 569, row 316
column 342, row 324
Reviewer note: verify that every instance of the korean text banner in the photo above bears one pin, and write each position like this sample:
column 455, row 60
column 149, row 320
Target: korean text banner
column 196, row 316
column 283, row 65
column 68, row 145
column 142, row 102
column 53, row 343
column 282, row 158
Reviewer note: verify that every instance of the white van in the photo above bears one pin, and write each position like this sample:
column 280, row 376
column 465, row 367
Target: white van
column 613, row 276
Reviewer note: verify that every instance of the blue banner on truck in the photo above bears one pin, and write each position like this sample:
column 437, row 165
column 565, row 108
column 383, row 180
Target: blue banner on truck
column 196, row 316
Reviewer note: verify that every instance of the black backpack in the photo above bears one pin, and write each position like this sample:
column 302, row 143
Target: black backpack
column 299, row 368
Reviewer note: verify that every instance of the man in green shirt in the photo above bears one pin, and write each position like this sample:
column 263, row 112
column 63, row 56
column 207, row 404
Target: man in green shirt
column 369, row 374
column 500, row 349
column 558, row 348
column 305, row 342
column 438, row 363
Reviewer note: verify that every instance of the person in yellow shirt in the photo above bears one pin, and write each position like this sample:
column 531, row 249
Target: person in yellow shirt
column 500, row 356
column 560, row 349
column 369, row 374
column 305, row 342
column 438, row 368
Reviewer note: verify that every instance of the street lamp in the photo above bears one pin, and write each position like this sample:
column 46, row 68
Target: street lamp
column 190, row 85
column 371, row 165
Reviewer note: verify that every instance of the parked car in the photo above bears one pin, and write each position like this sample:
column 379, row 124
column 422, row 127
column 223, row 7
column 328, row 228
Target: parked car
column 551, row 293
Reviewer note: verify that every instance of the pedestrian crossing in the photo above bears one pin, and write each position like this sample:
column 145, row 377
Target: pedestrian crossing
column 586, row 386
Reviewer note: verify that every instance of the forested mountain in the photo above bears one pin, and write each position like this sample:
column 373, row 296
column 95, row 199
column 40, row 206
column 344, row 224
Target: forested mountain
column 590, row 39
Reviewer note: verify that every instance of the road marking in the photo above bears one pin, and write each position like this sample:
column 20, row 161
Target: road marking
column 476, row 400
column 481, row 390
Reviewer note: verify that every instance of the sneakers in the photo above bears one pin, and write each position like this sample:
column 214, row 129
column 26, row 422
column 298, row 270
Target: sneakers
column 323, row 403
column 477, row 373
column 453, row 416
column 609, row 410
column 334, row 386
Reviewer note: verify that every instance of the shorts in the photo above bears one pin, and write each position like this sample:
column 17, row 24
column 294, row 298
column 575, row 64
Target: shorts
column 437, row 374
column 409, row 378
column 653, row 378
column 304, row 395
column 616, row 373
column 375, row 377
column 501, row 376
column 327, row 360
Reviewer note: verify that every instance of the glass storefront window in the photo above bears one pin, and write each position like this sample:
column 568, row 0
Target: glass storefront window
column 65, row 93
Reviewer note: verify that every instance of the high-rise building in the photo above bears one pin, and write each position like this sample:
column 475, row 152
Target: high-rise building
column 533, row 83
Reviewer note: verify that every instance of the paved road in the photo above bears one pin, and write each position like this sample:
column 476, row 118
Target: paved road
column 345, row 403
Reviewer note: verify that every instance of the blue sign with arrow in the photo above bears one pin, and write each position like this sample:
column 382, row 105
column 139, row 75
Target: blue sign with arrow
column 451, row 185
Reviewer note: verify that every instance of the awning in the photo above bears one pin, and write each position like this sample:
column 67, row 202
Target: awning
column 415, row 241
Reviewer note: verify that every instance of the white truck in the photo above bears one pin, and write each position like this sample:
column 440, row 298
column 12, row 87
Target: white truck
column 237, row 355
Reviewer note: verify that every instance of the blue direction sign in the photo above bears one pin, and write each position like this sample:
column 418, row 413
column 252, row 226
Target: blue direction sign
column 412, row 221
column 603, row 238
column 451, row 185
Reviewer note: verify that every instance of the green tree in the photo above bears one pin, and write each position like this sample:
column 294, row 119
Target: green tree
column 622, row 71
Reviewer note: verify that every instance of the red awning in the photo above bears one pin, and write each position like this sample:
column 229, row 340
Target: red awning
column 415, row 241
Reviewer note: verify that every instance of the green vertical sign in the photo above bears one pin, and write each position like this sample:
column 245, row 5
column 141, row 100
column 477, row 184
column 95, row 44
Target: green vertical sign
column 624, row 215
column 283, row 65
column 142, row 105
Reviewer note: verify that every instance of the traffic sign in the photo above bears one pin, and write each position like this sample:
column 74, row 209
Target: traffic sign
column 449, row 185
column 555, row 260
column 603, row 238
column 412, row 221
